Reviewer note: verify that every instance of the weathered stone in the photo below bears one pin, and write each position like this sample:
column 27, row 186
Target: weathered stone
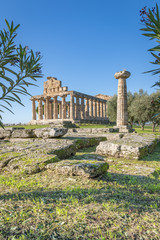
column 49, row 132
column 133, row 146
column 85, row 168
column 65, row 151
column 5, row 133
column 23, row 133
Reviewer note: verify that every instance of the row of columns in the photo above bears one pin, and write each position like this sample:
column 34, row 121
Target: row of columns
column 89, row 108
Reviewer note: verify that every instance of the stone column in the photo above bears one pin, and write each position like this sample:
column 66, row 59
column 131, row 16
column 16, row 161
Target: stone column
column 68, row 110
column 60, row 110
column 77, row 110
column 82, row 108
column 63, row 107
column 94, row 109
column 55, row 110
column 101, row 109
column 87, row 109
column 40, row 109
column 104, row 110
column 47, row 107
column 44, row 108
column 72, row 113
column 91, row 108
column 122, row 111
column 33, row 109
column 50, row 110
column 98, row 109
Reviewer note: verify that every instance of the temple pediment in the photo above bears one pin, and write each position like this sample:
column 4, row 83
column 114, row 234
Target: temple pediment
column 52, row 86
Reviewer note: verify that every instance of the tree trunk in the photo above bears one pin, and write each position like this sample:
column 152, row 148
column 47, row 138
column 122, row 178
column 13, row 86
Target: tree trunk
column 153, row 127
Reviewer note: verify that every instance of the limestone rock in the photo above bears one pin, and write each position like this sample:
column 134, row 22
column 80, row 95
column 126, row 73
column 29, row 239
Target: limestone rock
column 50, row 132
column 85, row 168
column 23, row 133
column 133, row 146
column 5, row 133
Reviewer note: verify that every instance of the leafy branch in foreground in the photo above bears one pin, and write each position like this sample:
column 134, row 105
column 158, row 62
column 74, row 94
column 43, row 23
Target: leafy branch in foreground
column 151, row 20
column 19, row 69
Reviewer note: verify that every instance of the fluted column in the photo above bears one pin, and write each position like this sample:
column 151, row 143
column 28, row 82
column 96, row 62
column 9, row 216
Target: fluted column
column 47, row 108
column 44, row 108
column 55, row 109
column 98, row 109
column 94, row 109
column 68, row 110
column 33, row 109
column 63, row 107
column 77, row 108
column 60, row 110
column 87, row 109
column 101, row 109
column 50, row 110
column 40, row 110
column 82, row 108
column 122, row 113
column 91, row 108
column 72, row 112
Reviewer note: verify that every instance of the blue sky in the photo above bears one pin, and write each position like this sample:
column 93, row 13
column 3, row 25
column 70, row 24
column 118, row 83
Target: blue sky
column 83, row 43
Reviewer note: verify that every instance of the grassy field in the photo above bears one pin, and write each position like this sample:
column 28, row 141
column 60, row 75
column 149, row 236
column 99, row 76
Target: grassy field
column 147, row 129
column 122, row 204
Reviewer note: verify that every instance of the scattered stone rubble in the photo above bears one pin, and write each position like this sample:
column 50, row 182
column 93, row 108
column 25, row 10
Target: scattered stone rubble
column 130, row 146
column 34, row 150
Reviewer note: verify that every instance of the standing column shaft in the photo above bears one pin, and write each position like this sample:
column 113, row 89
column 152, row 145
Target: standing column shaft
column 82, row 109
column 98, row 109
column 63, row 107
column 72, row 114
column 77, row 107
column 33, row 109
column 47, row 108
column 122, row 113
column 55, row 108
column 40, row 110
column 91, row 108
column 87, row 109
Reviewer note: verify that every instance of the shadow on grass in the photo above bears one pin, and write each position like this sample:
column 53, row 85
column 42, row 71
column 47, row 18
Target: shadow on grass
column 154, row 156
column 127, row 191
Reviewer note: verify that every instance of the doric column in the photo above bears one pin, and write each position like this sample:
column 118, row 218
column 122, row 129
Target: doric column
column 98, row 109
column 44, row 108
column 55, row 108
column 68, row 110
column 91, row 108
column 94, row 109
column 122, row 113
column 101, row 109
column 33, row 109
column 40, row 110
column 82, row 108
column 60, row 110
column 105, row 110
column 72, row 113
column 77, row 108
column 63, row 107
column 50, row 110
column 47, row 107
column 87, row 109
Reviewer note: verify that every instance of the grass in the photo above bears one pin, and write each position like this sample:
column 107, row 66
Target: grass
column 147, row 129
column 122, row 204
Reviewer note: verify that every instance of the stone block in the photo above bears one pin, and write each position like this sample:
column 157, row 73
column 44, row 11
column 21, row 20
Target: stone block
column 50, row 132
column 23, row 133
column 84, row 168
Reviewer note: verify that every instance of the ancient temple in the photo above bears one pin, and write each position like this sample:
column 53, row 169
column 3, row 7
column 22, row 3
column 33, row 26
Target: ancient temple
column 57, row 103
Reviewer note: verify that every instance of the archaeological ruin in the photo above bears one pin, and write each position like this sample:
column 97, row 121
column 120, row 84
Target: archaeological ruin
column 57, row 103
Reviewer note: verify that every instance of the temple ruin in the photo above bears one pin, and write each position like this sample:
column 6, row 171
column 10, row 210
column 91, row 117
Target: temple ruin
column 57, row 103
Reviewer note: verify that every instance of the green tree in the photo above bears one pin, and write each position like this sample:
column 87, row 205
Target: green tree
column 19, row 68
column 140, row 108
column 155, row 109
column 112, row 108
